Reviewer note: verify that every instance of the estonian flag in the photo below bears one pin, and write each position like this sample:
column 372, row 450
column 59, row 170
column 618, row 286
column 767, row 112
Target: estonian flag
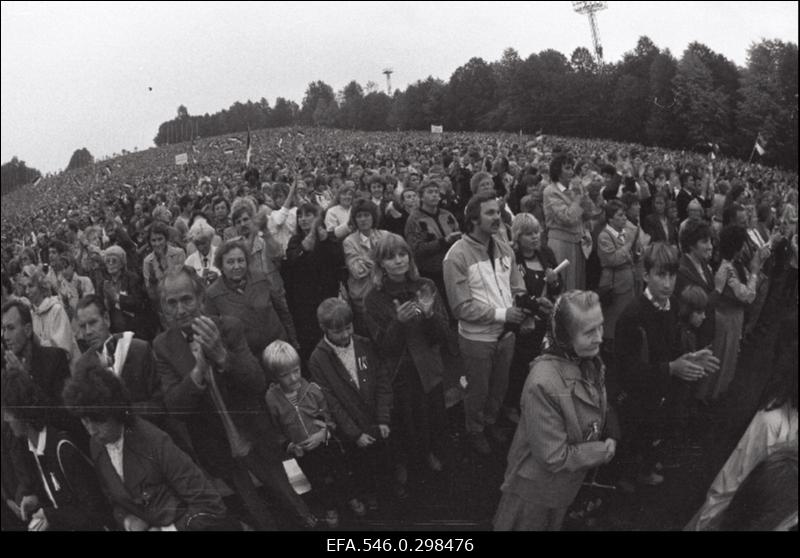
column 249, row 149
column 760, row 143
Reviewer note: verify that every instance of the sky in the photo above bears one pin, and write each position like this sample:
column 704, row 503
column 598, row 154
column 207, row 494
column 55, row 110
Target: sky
column 78, row 74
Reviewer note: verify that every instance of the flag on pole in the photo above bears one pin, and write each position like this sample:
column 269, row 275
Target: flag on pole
column 760, row 143
column 249, row 148
column 38, row 180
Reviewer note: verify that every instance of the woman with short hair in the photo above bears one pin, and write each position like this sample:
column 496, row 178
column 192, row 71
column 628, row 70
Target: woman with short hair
column 358, row 248
column 536, row 264
column 50, row 321
column 248, row 295
column 615, row 248
column 564, row 202
column 337, row 216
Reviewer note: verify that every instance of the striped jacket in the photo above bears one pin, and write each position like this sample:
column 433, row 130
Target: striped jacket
column 480, row 288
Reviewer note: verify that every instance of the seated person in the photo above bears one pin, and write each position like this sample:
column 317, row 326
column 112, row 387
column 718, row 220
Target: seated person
column 152, row 485
column 299, row 409
column 64, row 494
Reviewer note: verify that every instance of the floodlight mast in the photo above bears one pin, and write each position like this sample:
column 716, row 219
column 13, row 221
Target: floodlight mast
column 388, row 72
column 589, row 9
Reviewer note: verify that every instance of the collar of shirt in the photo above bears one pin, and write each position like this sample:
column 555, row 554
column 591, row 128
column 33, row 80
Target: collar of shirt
column 117, row 446
column 615, row 234
column 660, row 307
column 40, row 443
column 114, row 451
column 561, row 187
column 337, row 348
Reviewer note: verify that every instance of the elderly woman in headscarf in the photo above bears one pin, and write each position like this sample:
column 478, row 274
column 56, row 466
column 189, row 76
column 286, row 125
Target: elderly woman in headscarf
column 565, row 429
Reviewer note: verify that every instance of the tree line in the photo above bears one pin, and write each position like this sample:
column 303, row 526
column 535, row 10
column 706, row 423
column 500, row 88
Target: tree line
column 648, row 97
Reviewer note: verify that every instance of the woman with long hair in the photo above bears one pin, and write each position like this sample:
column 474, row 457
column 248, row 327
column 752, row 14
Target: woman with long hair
column 313, row 268
column 735, row 288
column 408, row 321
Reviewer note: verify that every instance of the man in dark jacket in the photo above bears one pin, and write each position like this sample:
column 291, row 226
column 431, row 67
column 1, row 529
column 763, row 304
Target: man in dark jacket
column 210, row 377
column 131, row 360
column 430, row 233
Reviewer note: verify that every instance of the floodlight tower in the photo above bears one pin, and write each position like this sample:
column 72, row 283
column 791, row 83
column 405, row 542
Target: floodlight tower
column 388, row 72
column 589, row 9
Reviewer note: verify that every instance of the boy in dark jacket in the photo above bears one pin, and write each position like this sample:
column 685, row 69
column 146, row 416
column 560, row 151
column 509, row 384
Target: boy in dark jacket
column 649, row 359
column 358, row 390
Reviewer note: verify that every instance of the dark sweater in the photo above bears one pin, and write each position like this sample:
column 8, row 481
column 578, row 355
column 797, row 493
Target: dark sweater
column 646, row 340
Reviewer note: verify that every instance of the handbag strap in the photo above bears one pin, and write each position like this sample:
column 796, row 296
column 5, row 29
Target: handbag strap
column 59, row 447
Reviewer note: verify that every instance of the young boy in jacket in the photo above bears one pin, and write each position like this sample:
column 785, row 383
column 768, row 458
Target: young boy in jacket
column 359, row 392
column 299, row 409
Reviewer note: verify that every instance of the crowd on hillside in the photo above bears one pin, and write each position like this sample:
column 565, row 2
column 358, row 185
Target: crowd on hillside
column 326, row 303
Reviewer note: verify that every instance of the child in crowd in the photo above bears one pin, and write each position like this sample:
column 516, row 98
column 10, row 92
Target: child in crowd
column 299, row 409
column 692, row 307
column 358, row 390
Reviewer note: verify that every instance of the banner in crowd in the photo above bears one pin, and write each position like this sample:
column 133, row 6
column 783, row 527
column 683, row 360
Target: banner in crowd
column 437, row 129
column 181, row 159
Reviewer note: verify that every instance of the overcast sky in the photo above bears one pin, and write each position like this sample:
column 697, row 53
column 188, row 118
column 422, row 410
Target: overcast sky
column 77, row 74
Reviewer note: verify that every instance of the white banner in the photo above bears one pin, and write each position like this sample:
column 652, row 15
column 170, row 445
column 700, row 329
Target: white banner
column 181, row 159
column 437, row 129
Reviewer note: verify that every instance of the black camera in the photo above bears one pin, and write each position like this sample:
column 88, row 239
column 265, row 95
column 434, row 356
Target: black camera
column 528, row 304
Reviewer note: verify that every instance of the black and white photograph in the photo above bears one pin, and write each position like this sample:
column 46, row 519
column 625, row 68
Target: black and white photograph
column 395, row 275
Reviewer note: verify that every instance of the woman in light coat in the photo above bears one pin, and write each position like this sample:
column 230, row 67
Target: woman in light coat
column 565, row 429
column 563, row 213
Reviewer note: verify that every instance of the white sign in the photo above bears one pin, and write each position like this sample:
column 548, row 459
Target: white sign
column 181, row 159
column 437, row 129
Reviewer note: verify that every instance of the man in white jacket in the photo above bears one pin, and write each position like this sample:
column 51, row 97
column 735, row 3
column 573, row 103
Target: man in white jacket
column 482, row 279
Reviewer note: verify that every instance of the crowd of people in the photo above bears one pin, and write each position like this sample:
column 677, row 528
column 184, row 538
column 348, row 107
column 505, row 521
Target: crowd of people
column 177, row 337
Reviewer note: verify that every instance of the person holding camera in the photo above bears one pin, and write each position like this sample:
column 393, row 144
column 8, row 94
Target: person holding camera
column 482, row 279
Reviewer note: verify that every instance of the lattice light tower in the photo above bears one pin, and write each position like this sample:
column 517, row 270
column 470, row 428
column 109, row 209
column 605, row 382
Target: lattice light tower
column 589, row 9
column 388, row 72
